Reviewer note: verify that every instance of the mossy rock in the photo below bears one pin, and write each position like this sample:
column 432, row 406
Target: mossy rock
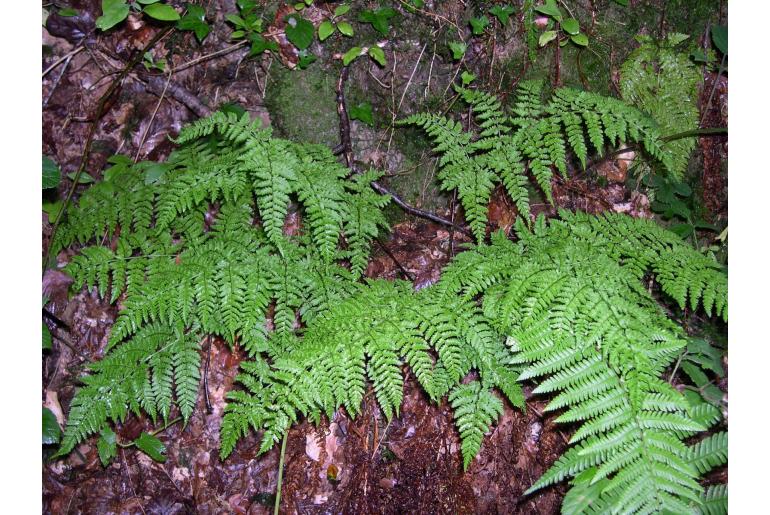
column 302, row 105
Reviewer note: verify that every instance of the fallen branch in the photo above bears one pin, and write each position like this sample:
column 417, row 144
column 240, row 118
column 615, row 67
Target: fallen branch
column 155, row 86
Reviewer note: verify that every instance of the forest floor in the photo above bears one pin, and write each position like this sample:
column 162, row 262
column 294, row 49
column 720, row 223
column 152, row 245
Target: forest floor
column 411, row 464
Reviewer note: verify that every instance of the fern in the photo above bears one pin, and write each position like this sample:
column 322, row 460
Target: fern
column 369, row 336
column 185, row 275
column 535, row 139
column 565, row 305
column 663, row 82
column 569, row 299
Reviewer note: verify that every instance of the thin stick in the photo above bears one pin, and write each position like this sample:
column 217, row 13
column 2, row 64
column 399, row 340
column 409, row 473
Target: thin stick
column 276, row 509
column 65, row 57
column 209, row 409
column 404, row 271
column 57, row 81
column 206, row 57
column 152, row 118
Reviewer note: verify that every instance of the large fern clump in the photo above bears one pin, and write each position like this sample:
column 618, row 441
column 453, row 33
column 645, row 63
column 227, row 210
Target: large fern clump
column 569, row 301
column 534, row 138
column 663, row 82
column 197, row 245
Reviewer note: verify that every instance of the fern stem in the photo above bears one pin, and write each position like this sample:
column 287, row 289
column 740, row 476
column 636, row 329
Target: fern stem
column 276, row 509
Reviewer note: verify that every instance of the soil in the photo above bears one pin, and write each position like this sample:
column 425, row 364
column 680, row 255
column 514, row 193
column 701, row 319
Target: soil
column 410, row 464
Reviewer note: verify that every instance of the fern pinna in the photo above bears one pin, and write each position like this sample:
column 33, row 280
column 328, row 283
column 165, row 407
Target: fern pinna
column 180, row 239
column 569, row 300
column 534, row 137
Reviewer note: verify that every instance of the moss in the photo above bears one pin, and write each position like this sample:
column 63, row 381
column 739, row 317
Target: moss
column 302, row 105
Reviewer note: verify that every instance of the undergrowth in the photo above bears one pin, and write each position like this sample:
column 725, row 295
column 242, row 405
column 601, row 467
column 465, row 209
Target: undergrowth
column 532, row 139
column 196, row 246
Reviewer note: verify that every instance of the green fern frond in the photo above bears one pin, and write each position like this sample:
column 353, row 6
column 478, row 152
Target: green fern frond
column 663, row 82
column 713, row 501
column 709, row 453
column 475, row 409
column 535, row 139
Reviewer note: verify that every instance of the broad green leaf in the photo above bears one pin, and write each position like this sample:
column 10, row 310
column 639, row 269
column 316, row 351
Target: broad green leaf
column 154, row 172
column 570, row 26
column 467, row 77
column 350, row 55
column 85, row 178
column 47, row 339
column 260, row 44
column 377, row 54
column 161, row 12
column 719, row 36
column 325, row 29
column 147, row 2
column 107, row 446
column 550, row 9
column 151, row 446
column 546, row 37
column 341, row 10
column 113, row 12
column 51, row 429
column 479, row 24
column 681, row 230
column 299, row 31
column 580, row 39
column 379, row 19
column 245, row 5
column 624, row 3
column 502, row 13
column 458, row 49
column 235, row 20
column 52, row 209
column 363, row 113
column 51, row 173
column 195, row 20
column 237, row 34
column 305, row 59
column 345, row 28
column 68, row 12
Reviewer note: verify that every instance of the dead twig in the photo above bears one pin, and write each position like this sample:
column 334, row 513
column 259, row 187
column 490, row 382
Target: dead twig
column 206, row 57
column 155, row 86
column 152, row 119
column 387, row 251
column 209, row 409
column 66, row 57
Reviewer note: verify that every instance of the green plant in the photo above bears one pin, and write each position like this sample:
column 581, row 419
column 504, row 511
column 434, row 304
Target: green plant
column 535, row 137
column 569, row 28
column 663, row 82
column 149, row 63
column 379, row 19
column 335, row 23
column 502, row 13
column 115, row 11
column 569, row 301
column 569, row 304
column 376, row 53
column 185, row 277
